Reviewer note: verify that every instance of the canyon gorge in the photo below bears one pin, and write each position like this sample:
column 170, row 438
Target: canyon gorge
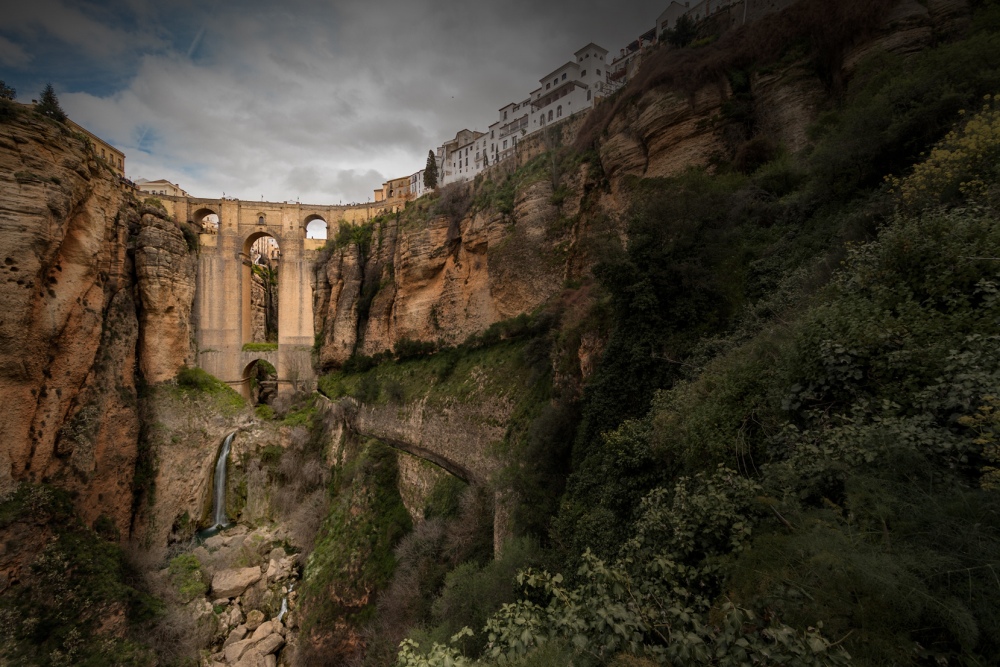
column 452, row 392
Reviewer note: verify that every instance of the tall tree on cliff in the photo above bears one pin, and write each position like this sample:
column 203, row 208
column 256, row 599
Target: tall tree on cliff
column 49, row 105
column 6, row 92
column 431, row 172
column 683, row 32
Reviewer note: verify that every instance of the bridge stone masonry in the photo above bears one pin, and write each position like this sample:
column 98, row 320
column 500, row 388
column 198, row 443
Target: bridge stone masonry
column 222, row 312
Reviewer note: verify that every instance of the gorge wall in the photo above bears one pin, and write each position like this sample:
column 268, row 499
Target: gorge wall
column 97, row 300
column 98, row 290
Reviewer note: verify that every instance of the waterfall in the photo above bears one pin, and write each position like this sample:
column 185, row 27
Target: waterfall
column 219, row 520
column 284, row 603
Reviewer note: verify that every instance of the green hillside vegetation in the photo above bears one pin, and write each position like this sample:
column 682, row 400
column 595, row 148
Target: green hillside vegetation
column 788, row 452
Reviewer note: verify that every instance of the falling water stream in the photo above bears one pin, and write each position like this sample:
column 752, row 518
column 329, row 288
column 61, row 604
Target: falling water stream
column 219, row 520
column 284, row 603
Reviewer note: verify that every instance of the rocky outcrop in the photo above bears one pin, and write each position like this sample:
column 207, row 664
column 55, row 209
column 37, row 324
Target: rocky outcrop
column 165, row 270
column 232, row 583
column 97, row 295
column 664, row 134
column 263, row 306
column 337, row 291
column 441, row 279
column 68, row 325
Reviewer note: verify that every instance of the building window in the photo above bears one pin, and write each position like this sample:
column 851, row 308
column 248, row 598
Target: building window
column 588, row 95
column 564, row 76
column 559, row 111
column 550, row 114
column 598, row 72
column 260, row 220
column 583, row 73
column 505, row 144
column 547, row 86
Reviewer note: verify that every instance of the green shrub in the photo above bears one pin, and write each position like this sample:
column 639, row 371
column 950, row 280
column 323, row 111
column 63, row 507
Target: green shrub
column 55, row 612
column 186, row 575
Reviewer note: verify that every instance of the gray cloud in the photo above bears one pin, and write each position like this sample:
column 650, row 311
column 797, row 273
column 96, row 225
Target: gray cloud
column 320, row 101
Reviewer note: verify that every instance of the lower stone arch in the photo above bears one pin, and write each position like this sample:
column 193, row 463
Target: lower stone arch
column 260, row 381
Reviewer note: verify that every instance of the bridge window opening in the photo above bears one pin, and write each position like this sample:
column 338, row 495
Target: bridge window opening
column 316, row 228
column 260, row 379
column 260, row 220
column 261, row 271
column 207, row 220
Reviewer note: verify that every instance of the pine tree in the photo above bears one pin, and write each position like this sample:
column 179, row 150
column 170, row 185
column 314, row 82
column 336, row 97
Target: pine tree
column 431, row 172
column 683, row 32
column 6, row 92
column 49, row 105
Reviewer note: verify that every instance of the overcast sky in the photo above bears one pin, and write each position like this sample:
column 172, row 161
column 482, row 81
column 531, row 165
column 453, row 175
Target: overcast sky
column 316, row 100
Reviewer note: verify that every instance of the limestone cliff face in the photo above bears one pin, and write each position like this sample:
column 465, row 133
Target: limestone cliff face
column 441, row 280
column 165, row 272
column 183, row 434
column 446, row 277
column 94, row 294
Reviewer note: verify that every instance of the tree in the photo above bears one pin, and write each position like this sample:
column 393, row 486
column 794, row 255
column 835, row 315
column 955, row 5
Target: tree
column 683, row 31
column 6, row 92
column 49, row 105
column 431, row 172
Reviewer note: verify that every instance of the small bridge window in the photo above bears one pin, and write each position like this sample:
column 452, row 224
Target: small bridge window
column 260, row 219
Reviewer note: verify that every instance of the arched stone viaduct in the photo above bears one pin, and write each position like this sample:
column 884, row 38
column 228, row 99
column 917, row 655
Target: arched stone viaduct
column 222, row 299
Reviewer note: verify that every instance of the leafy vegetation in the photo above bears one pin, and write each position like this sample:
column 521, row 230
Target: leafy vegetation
column 56, row 612
column 355, row 543
column 194, row 382
column 777, row 461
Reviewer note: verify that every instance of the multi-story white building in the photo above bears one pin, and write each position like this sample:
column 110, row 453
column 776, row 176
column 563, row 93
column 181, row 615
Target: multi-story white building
column 570, row 89
column 453, row 158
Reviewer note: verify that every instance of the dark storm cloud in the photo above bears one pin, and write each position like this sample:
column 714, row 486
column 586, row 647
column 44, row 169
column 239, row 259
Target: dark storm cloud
column 297, row 99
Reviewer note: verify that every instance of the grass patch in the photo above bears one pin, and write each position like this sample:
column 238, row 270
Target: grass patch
column 195, row 383
column 260, row 347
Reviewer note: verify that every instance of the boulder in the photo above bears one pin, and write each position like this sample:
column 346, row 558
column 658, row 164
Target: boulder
column 236, row 650
column 254, row 618
column 269, row 644
column 265, row 629
column 230, row 583
column 239, row 633
column 252, row 659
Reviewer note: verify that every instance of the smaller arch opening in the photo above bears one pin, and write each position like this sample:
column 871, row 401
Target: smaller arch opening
column 261, row 220
column 207, row 220
column 316, row 227
column 260, row 378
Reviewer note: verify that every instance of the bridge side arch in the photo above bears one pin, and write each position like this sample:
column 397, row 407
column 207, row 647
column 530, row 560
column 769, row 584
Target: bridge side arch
column 316, row 226
column 206, row 218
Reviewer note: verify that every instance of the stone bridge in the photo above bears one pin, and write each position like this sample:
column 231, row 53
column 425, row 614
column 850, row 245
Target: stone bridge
column 459, row 438
column 222, row 310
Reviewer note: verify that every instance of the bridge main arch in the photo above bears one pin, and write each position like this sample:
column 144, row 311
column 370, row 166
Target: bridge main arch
column 223, row 305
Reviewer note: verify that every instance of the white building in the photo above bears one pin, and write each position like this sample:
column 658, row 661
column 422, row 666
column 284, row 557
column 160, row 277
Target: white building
column 417, row 188
column 570, row 89
column 160, row 187
column 453, row 158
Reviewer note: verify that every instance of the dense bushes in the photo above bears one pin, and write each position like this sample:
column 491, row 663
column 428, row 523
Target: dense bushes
column 73, row 602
